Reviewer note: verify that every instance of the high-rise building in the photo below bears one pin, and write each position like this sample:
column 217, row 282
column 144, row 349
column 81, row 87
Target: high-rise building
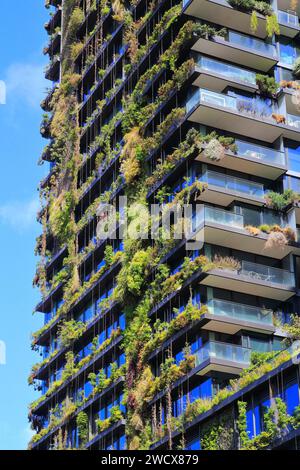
column 159, row 341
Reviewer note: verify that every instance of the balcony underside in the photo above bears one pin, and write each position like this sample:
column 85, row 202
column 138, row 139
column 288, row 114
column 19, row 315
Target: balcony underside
column 232, row 18
column 290, row 31
column 247, row 165
column 229, row 280
column 222, row 365
column 232, row 326
column 251, row 126
column 231, row 237
column 219, row 48
column 224, row 197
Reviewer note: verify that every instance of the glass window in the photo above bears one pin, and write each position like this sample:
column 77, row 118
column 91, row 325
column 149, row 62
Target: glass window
column 287, row 51
column 194, row 445
column 291, row 398
column 293, row 183
column 293, row 154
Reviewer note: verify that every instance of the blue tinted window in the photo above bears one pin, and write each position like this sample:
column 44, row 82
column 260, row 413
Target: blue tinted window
column 194, row 445
column 206, row 389
column 250, row 424
column 122, row 443
column 291, row 398
column 122, row 321
column 293, row 152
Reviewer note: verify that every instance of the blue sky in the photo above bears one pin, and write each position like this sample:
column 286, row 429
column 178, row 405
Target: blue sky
column 22, row 38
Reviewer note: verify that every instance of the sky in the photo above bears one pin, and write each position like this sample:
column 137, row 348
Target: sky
column 22, row 38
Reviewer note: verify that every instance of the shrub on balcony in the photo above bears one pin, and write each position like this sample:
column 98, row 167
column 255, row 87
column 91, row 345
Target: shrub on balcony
column 276, row 240
column 130, row 157
column 279, row 201
column 267, row 85
column 214, row 150
column 272, row 26
column 252, row 5
column 227, row 263
column 70, row 331
column 296, row 68
column 76, row 49
column 82, row 422
column 75, row 21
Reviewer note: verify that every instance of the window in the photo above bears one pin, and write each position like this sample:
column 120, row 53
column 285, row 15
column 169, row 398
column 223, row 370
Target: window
column 254, row 418
column 293, row 154
column 287, row 51
column 291, row 397
column 195, row 444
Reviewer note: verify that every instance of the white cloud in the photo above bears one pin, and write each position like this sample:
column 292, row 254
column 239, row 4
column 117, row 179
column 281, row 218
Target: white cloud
column 19, row 215
column 25, row 82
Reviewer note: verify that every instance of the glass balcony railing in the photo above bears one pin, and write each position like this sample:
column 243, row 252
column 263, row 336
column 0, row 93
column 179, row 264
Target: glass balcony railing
column 254, row 107
column 236, row 185
column 260, row 153
column 251, row 217
column 293, row 121
column 219, row 216
column 288, row 17
column 267, row 274
column 249, row 42
column 224, row 352
column 237, row 311
column 228, row 71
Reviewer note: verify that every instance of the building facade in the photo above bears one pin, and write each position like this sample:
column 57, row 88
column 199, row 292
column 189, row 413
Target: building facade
column 159, row 341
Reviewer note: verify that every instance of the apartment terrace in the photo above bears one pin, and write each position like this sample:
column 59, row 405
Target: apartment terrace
column 240, row 20
column 225, row 228
column 254, row 279
column 246, row 118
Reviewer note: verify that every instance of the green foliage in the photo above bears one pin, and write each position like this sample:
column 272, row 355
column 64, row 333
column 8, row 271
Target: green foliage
column 82, row 422
column 70, row 331
column 296, row 68
column 272, row 26
column 218, row 434
column 267, row 85
column 254, row 22
column 242, row 424
column 109, row 255
column 292, row 329
column 279, row 201
column 115, row 414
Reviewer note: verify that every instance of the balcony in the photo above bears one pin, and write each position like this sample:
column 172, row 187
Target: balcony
column 252, row 159
column 225, row 228
column 288, row 22
column 218, row 75
column 253, row 279
column 240, row 49
column 222, row 357
column 211, row 10
column 285, row 5
column 223, row 189
column 53, row 69
column 248, row 117
column 230, row 317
